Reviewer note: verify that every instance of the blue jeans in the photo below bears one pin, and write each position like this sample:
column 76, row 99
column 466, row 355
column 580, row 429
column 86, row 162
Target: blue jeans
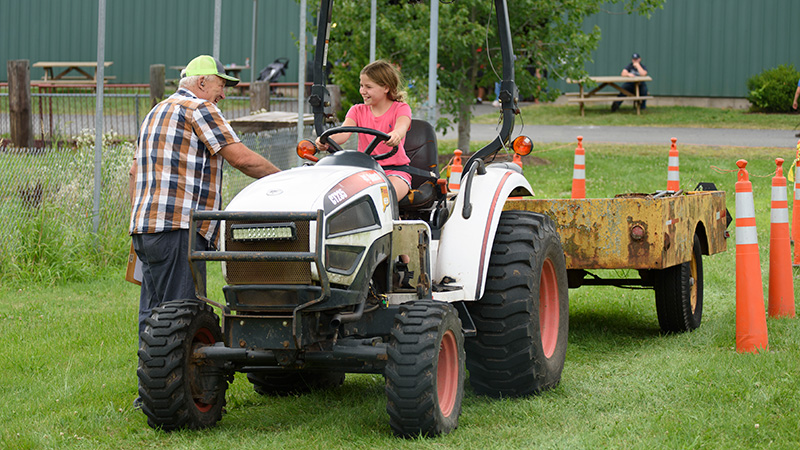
column 631, row 87
column 166, row 273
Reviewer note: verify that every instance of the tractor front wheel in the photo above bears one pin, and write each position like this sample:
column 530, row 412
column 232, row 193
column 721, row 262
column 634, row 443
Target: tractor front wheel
column 523, row 317
column 425, row 370
column 178, row 391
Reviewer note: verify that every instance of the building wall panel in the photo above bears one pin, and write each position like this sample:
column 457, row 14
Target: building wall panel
column 704, row 48
column 144, row 32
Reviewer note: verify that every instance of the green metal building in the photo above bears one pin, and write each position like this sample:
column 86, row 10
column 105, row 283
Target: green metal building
column 695, row 48
column 144, row 32
column 698, row 48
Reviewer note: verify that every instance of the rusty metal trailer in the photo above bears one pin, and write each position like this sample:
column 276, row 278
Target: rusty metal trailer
column 663, row 236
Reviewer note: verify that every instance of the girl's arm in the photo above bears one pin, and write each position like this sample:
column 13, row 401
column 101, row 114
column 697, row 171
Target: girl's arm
column 400, row 129
column 340, row 138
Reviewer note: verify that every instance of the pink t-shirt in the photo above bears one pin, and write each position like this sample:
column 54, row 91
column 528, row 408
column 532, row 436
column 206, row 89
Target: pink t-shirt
column 363, row 116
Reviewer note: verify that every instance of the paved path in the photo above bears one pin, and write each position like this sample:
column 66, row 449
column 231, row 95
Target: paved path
column 635, row 135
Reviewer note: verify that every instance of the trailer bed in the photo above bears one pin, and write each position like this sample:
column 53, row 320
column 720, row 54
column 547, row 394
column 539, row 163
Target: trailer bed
column 635, row 231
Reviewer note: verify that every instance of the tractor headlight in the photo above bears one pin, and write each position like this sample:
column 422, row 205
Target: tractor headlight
column 264, row 232
column 358, row 217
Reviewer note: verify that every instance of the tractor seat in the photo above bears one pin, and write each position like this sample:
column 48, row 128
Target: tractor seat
column 423, row 151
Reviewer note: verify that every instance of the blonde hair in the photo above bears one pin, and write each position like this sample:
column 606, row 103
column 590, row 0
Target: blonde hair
column 385, row 74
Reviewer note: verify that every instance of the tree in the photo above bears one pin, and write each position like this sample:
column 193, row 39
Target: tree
column 547, row 35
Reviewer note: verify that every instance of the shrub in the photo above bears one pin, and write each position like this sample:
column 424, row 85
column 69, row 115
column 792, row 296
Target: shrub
column 773, row 89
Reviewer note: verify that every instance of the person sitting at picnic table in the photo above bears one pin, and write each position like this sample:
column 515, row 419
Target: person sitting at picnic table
column 634, row 69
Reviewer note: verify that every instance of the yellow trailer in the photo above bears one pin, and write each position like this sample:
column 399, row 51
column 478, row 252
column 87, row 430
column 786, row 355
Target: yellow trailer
column 663, row 236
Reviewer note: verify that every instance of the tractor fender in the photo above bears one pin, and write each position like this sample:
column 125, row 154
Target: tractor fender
column 465, row 244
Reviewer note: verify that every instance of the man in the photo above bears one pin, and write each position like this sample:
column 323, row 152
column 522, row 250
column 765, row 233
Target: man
column 634, row 69
column 178, row 168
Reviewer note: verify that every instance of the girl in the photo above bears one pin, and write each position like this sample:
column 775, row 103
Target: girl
column 383, row 110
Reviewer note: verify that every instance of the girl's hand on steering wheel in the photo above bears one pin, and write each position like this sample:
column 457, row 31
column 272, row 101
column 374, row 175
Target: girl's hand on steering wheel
column 320, row 146
column 394, row 139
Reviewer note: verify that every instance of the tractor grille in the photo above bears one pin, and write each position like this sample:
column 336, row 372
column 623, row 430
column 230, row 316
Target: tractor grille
column 280, row 272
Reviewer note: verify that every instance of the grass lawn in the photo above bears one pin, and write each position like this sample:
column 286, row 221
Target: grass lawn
column 654, row 116
column 68, row 358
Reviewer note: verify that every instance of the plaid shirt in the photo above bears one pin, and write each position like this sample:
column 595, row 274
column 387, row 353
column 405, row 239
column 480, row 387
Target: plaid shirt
column 178, row 166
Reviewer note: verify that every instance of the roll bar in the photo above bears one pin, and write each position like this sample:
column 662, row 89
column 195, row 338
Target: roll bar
column 509, row 94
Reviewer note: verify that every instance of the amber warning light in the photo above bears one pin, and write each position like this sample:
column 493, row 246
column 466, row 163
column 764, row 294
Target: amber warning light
column 522, row 145
column 306, row 150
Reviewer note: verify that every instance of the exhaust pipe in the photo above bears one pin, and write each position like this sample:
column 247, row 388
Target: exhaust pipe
column 341, row 318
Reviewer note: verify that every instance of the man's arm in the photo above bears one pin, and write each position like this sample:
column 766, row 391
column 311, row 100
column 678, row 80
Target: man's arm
column 796, row 95
column 640, row 68
column 247, row 161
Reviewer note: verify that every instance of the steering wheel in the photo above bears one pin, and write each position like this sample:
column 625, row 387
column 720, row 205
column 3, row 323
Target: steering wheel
column 380, row 136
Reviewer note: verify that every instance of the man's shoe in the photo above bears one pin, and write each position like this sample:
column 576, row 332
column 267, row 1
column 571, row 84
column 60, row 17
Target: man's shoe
column 614, row 107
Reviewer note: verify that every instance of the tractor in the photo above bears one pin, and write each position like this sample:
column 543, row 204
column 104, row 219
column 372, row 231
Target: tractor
column 315, row 286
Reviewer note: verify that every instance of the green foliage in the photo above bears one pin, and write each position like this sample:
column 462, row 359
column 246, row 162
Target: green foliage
column 773, row 89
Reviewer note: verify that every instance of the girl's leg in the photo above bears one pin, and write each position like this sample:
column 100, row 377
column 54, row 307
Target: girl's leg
column 401, row 188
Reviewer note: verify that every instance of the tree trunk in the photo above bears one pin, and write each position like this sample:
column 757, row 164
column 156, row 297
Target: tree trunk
column 19, row 102
column 464, row 122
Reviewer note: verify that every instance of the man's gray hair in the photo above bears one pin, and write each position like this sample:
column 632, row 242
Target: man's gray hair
column 189, row 82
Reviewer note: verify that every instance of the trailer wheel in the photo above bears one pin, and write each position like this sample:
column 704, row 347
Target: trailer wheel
column 523, row 317
column 679, row 293
column 176, row 391
column 288, row 382
column 425, row 370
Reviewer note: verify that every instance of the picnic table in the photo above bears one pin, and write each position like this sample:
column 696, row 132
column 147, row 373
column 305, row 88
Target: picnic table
column 66, row 67
column 615, row 82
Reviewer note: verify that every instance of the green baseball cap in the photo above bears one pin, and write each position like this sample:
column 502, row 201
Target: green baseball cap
column 208, row 65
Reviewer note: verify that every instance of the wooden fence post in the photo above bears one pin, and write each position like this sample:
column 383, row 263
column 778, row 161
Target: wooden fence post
column 157, row 82
column 259, row 95
column 19, row 102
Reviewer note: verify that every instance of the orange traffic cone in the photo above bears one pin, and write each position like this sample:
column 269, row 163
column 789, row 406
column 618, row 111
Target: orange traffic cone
column 751, row 320
column 673, row 171
column 796, row 209
column 579, row 171
column 455, row 173
column 781, row 286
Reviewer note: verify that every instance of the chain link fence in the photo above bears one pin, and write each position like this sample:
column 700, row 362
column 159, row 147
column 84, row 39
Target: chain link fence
column 61, row 113
column 46, row 192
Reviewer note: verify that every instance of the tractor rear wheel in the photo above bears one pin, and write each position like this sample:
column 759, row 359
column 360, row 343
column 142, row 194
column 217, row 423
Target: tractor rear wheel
column 177, row 391
column 425, row 370
column 679, row 293
column 523, row 317
column 289, row 382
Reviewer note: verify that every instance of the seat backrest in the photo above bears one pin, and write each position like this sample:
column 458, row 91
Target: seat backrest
column 422, row 149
